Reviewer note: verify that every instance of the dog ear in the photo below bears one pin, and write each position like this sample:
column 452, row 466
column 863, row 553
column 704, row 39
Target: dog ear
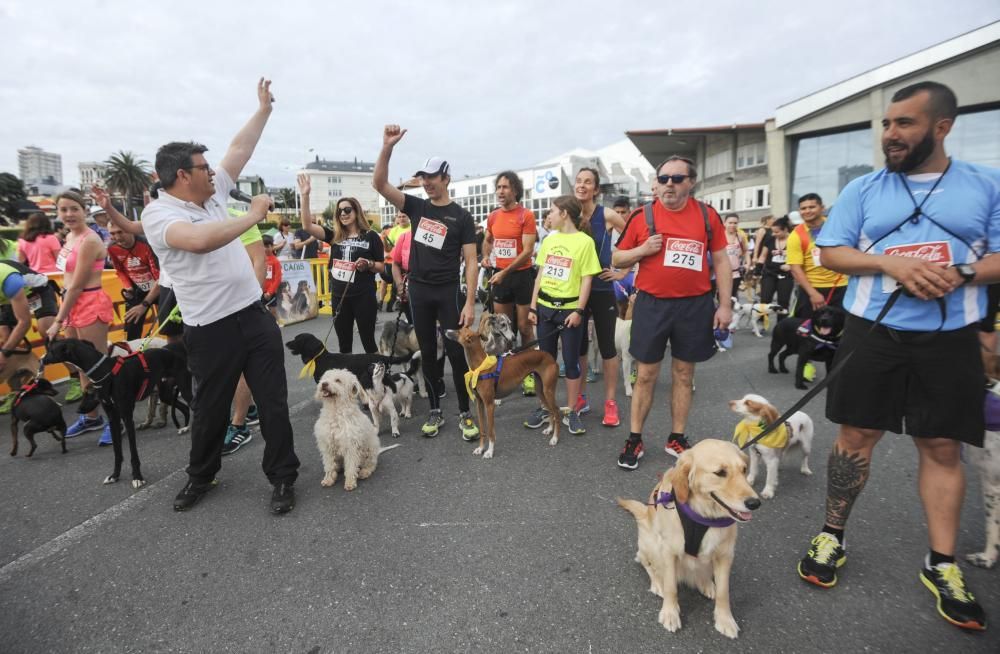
column 679, row 479
column 769, row 413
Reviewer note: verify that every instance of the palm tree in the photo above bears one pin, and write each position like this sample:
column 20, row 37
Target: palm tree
column 128, row 176
column 286, row 198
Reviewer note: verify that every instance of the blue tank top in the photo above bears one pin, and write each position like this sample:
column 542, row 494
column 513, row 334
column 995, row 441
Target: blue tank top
column 602, row 242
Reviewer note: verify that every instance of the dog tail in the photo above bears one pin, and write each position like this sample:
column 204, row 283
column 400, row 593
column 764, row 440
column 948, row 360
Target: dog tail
column 385, row 449
column 637, row 509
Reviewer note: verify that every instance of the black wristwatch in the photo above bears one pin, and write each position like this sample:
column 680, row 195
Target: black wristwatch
column 580, row 311
column 967, row 272
column 145, row 304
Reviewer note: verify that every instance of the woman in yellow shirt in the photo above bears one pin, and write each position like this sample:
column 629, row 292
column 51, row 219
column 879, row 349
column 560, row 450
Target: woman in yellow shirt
column 566, row 263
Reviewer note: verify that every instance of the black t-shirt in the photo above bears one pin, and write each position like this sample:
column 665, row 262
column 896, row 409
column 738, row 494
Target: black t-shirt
column 312, row 249
column 438, row 236
column 776, row 258
column 364, row 246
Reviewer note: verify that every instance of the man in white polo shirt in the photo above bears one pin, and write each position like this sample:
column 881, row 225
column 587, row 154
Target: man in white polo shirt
column 226, row 329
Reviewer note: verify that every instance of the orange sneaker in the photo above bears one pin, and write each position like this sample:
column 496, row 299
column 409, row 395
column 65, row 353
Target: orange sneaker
column 610, row 414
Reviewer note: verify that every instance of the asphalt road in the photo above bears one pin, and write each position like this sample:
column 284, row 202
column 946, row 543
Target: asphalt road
column 441, row 551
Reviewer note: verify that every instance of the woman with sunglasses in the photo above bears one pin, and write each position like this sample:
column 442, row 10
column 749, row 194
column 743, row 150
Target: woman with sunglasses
column 356, row 256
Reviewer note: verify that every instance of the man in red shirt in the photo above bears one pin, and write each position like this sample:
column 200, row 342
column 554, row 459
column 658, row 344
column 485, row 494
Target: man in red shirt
column 507, row 248
column 674, row 302
column 139, row 271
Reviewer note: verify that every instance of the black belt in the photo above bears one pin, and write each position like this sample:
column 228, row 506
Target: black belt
column 556, row 301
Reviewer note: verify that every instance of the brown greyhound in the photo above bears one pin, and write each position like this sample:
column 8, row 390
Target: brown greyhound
column 515, row 367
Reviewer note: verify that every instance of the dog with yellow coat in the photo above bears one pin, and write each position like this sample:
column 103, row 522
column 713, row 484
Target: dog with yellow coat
column 757, row 414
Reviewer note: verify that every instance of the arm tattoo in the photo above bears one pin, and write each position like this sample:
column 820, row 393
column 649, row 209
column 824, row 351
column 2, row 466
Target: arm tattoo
column 846, row 476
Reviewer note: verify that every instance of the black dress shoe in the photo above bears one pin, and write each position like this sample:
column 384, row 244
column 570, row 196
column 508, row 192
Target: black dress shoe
column 283, row 498
column 191, row 493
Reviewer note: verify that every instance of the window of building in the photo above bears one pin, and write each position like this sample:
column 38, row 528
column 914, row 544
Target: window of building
column 720, row 201
column 752, row 197
column 752, row 154
column 333, row 180
column 336, row 193
column 825, row 164
column 719, row 163
column 976, row 138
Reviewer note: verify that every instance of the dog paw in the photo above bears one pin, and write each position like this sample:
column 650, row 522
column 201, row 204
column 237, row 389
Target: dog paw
column 350, row 485
column 783, row 370
column 726, row 625
column 805, row 471
column 981, row 559
column 365, row 473
column 708, row 590
column 477, row 451
column 670, row 618
column 488, row 454
column 767, row 493
column 327, row 482
column 110, row 479
column 144, row 426
column 554, row 440
column 184, row 430
column 138, row 483
column 396, row 434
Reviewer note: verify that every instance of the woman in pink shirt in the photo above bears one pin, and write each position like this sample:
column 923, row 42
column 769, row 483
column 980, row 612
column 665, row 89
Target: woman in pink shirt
column 38, row 247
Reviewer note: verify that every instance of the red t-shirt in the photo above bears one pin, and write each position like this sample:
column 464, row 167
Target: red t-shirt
column 272, row 275
column 681, row 268
column 507, row 228
column 137, row 267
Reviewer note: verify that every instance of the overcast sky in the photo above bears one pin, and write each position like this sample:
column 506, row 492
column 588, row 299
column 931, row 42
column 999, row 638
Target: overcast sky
column 488, row 85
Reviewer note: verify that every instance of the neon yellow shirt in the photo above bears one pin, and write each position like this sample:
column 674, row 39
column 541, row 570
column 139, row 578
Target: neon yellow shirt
column 563, row 261
column 396, row 231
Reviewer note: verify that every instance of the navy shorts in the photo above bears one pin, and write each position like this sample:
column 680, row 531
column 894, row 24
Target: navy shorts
column 903, row 383
column 684, row 322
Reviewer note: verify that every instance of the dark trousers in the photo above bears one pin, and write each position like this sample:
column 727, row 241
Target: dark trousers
column 247, row 342
column 134, row 330
column 363, row 310
column 431, row 305
column 776, row 284
column 804, row 308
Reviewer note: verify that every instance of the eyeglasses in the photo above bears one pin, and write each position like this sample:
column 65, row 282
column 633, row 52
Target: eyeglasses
column 345, row 211
column 206, row 167
column 676, row 179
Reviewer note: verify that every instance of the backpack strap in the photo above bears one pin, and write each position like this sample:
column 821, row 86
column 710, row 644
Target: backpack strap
column 804, row 238
column 647, row 212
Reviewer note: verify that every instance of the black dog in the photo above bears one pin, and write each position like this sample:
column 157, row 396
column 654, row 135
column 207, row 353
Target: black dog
column 311, row 349
column 40, row 413
column 819, row 344
column 120, row 383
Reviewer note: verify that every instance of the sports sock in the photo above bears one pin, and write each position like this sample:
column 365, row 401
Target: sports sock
column 634, row 437
column 937, row 558
column 839, row 533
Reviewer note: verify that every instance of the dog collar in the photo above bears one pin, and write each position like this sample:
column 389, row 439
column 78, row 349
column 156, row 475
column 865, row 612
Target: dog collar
column 310, row 368
column 89, row 372
column 694, row 524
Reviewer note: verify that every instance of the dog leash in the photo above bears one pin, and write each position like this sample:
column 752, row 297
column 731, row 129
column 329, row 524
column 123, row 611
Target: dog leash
column 399, row 315
column 333, row 314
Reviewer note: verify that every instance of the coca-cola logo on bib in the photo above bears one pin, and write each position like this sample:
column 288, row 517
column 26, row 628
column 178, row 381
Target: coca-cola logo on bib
column 684, row 245
column 931, row 252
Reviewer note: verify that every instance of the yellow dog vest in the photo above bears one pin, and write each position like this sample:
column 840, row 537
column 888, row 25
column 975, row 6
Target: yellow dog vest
column 777, row 439
column 472, row 377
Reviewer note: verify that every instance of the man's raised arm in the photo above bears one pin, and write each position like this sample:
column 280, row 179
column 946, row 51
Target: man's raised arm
column 245, row 141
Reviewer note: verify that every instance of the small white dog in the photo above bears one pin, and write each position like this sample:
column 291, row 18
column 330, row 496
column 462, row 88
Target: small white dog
column 623, row 336
column 347, row 439
column 382, row 398
column 757, row 414
column 758, row 316
column 987, row 461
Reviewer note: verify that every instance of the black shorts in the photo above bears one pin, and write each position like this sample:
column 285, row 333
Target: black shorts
column 684, row 322
column 517, row 287
column 803, row 307
column 931, row 389
column 602, row 307
column 989, row 323
column 44, row 302
column 165, row 304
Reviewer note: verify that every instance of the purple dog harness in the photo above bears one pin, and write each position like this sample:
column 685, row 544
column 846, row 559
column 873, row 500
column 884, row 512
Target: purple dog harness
column 694, row 524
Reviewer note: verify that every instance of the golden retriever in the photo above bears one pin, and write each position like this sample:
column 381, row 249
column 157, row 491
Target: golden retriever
column 710, row 483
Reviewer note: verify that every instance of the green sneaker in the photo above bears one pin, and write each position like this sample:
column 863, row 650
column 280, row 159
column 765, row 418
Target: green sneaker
column 74, row 392
column 955, row 603
column 528, row 386
column 434, row 423
column 7, row 405
column 469, row 430
column 819, row 565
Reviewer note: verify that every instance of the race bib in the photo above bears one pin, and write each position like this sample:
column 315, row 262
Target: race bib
column 779, row 257
column 815, row 256
column 268, row 274
column 34, row 303
column 342, row 271
column 505, row 248
column 936, row 252
column 61, row 258
column 557, row 267
column 431, row 233
column 144, row 286
column 684, row 253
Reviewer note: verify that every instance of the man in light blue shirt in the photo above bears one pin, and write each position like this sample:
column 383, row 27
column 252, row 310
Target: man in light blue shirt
column 931, row 225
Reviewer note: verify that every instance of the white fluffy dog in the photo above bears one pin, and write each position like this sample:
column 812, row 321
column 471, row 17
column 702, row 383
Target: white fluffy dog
column 757, row 316
column 346, row 438
column 758, row 413
column 623, row 336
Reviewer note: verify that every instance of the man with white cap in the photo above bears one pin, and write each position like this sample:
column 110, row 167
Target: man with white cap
column 444, row 235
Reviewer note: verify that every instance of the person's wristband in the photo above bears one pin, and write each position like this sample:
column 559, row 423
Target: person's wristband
column 580, row 311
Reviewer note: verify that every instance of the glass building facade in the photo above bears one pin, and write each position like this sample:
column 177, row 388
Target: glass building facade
column 825, row 164
column 976, row 138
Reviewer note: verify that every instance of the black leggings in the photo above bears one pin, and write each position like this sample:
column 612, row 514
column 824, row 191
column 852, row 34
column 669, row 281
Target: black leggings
column 603, row 308
column 771, row 284
column 432, row 305
column 361, row 309
column 549, row 321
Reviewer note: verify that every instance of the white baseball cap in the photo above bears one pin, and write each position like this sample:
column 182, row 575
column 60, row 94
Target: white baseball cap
column 434, row 166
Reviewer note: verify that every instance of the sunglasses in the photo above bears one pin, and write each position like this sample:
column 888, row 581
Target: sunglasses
column 345, row 211
column 676, row 179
